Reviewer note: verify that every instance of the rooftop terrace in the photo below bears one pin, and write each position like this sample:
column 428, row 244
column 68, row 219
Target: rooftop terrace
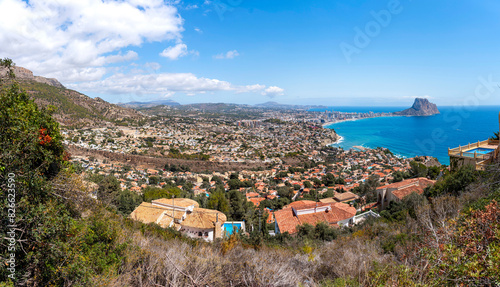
column 481, row 153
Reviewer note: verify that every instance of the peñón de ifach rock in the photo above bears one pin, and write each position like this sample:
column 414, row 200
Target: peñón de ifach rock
column 421, row 107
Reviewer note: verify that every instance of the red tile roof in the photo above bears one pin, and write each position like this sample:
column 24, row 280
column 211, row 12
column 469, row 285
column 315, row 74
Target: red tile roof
column 252, row 194
column 256, row 200
column 404, row 192
column 421, row 180
column 288, row 221
column 304, row 204
column 406, row 187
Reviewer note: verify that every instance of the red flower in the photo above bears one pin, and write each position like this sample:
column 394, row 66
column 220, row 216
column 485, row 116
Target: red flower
column 44, row 137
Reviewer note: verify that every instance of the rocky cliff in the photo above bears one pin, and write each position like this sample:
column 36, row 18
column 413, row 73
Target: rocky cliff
column 25, row 74
column 421, row 107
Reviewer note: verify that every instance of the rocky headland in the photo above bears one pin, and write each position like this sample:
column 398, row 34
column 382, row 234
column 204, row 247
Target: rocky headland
column 421, row 107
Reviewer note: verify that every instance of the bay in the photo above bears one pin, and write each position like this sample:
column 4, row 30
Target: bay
column 412, row 136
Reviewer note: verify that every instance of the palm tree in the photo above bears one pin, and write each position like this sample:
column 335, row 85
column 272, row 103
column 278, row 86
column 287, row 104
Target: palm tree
column 495, row 136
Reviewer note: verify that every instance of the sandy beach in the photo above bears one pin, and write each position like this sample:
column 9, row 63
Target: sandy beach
column 348, row 120
column 352, row 120
column 340, row 121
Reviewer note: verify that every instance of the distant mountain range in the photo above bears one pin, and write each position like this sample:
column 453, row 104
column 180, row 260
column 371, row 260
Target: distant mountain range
column 73, row 108
column 138, row 105
column 267, row 105
column 275, row 105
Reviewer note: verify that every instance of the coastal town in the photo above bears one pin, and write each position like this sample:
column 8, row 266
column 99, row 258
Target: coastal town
column 280, row 158
column 235, row 178
column 231, row 143
column 352, row 169
column 241, row 141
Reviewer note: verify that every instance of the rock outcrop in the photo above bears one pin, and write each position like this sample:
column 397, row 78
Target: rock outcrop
column 421, row 107
column 72, row 107
column 25, row 74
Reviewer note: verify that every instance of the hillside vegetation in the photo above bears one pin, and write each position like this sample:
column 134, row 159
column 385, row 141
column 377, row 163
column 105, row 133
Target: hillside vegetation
column 63, row 237
column 72, row 108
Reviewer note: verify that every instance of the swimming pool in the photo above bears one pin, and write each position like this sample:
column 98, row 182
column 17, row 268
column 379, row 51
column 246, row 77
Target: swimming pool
column 479, row 151
column 230, row 227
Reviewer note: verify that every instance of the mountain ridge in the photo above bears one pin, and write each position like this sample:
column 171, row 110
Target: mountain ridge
column 150, row 104
column 276, row 105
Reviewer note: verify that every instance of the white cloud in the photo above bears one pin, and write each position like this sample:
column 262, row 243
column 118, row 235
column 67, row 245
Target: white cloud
column 166, row 84
column 178, row 51
column 198, row 30
column 232, row 54
column 228, row 55
column 167, row 95
column 130, row 55
column 80, row 42
column 175, row 52
column 153, row 66
column 81, row 74
column 68, row 39
column 273, row 91
column 253, row 88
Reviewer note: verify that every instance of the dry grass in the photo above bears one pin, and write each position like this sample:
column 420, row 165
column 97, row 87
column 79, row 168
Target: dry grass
column 156, row 262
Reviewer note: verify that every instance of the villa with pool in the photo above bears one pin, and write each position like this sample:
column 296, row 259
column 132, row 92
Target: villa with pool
column 231, row 227
column 479, row 154
column 184, row 215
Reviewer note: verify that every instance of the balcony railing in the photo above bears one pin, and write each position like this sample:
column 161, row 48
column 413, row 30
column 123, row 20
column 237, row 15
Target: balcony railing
column 476, row 155
column 462, row 150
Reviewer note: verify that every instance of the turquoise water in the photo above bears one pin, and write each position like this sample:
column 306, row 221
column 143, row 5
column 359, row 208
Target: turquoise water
column 228, row 227
column 477, row 152
column 480, row 150
column 411, row 136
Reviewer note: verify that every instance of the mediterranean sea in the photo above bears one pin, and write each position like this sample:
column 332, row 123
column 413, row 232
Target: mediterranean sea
column 412, row 136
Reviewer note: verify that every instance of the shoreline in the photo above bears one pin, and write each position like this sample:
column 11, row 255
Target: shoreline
column 340, row 121
column 358, row 133
column 352, row 120
column 357, row 119
column 339, row 140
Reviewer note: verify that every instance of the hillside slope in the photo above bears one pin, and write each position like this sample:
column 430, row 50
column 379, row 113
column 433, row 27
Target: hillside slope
column 73, row 108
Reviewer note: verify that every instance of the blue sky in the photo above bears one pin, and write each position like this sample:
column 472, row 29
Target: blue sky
column 359, row 53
